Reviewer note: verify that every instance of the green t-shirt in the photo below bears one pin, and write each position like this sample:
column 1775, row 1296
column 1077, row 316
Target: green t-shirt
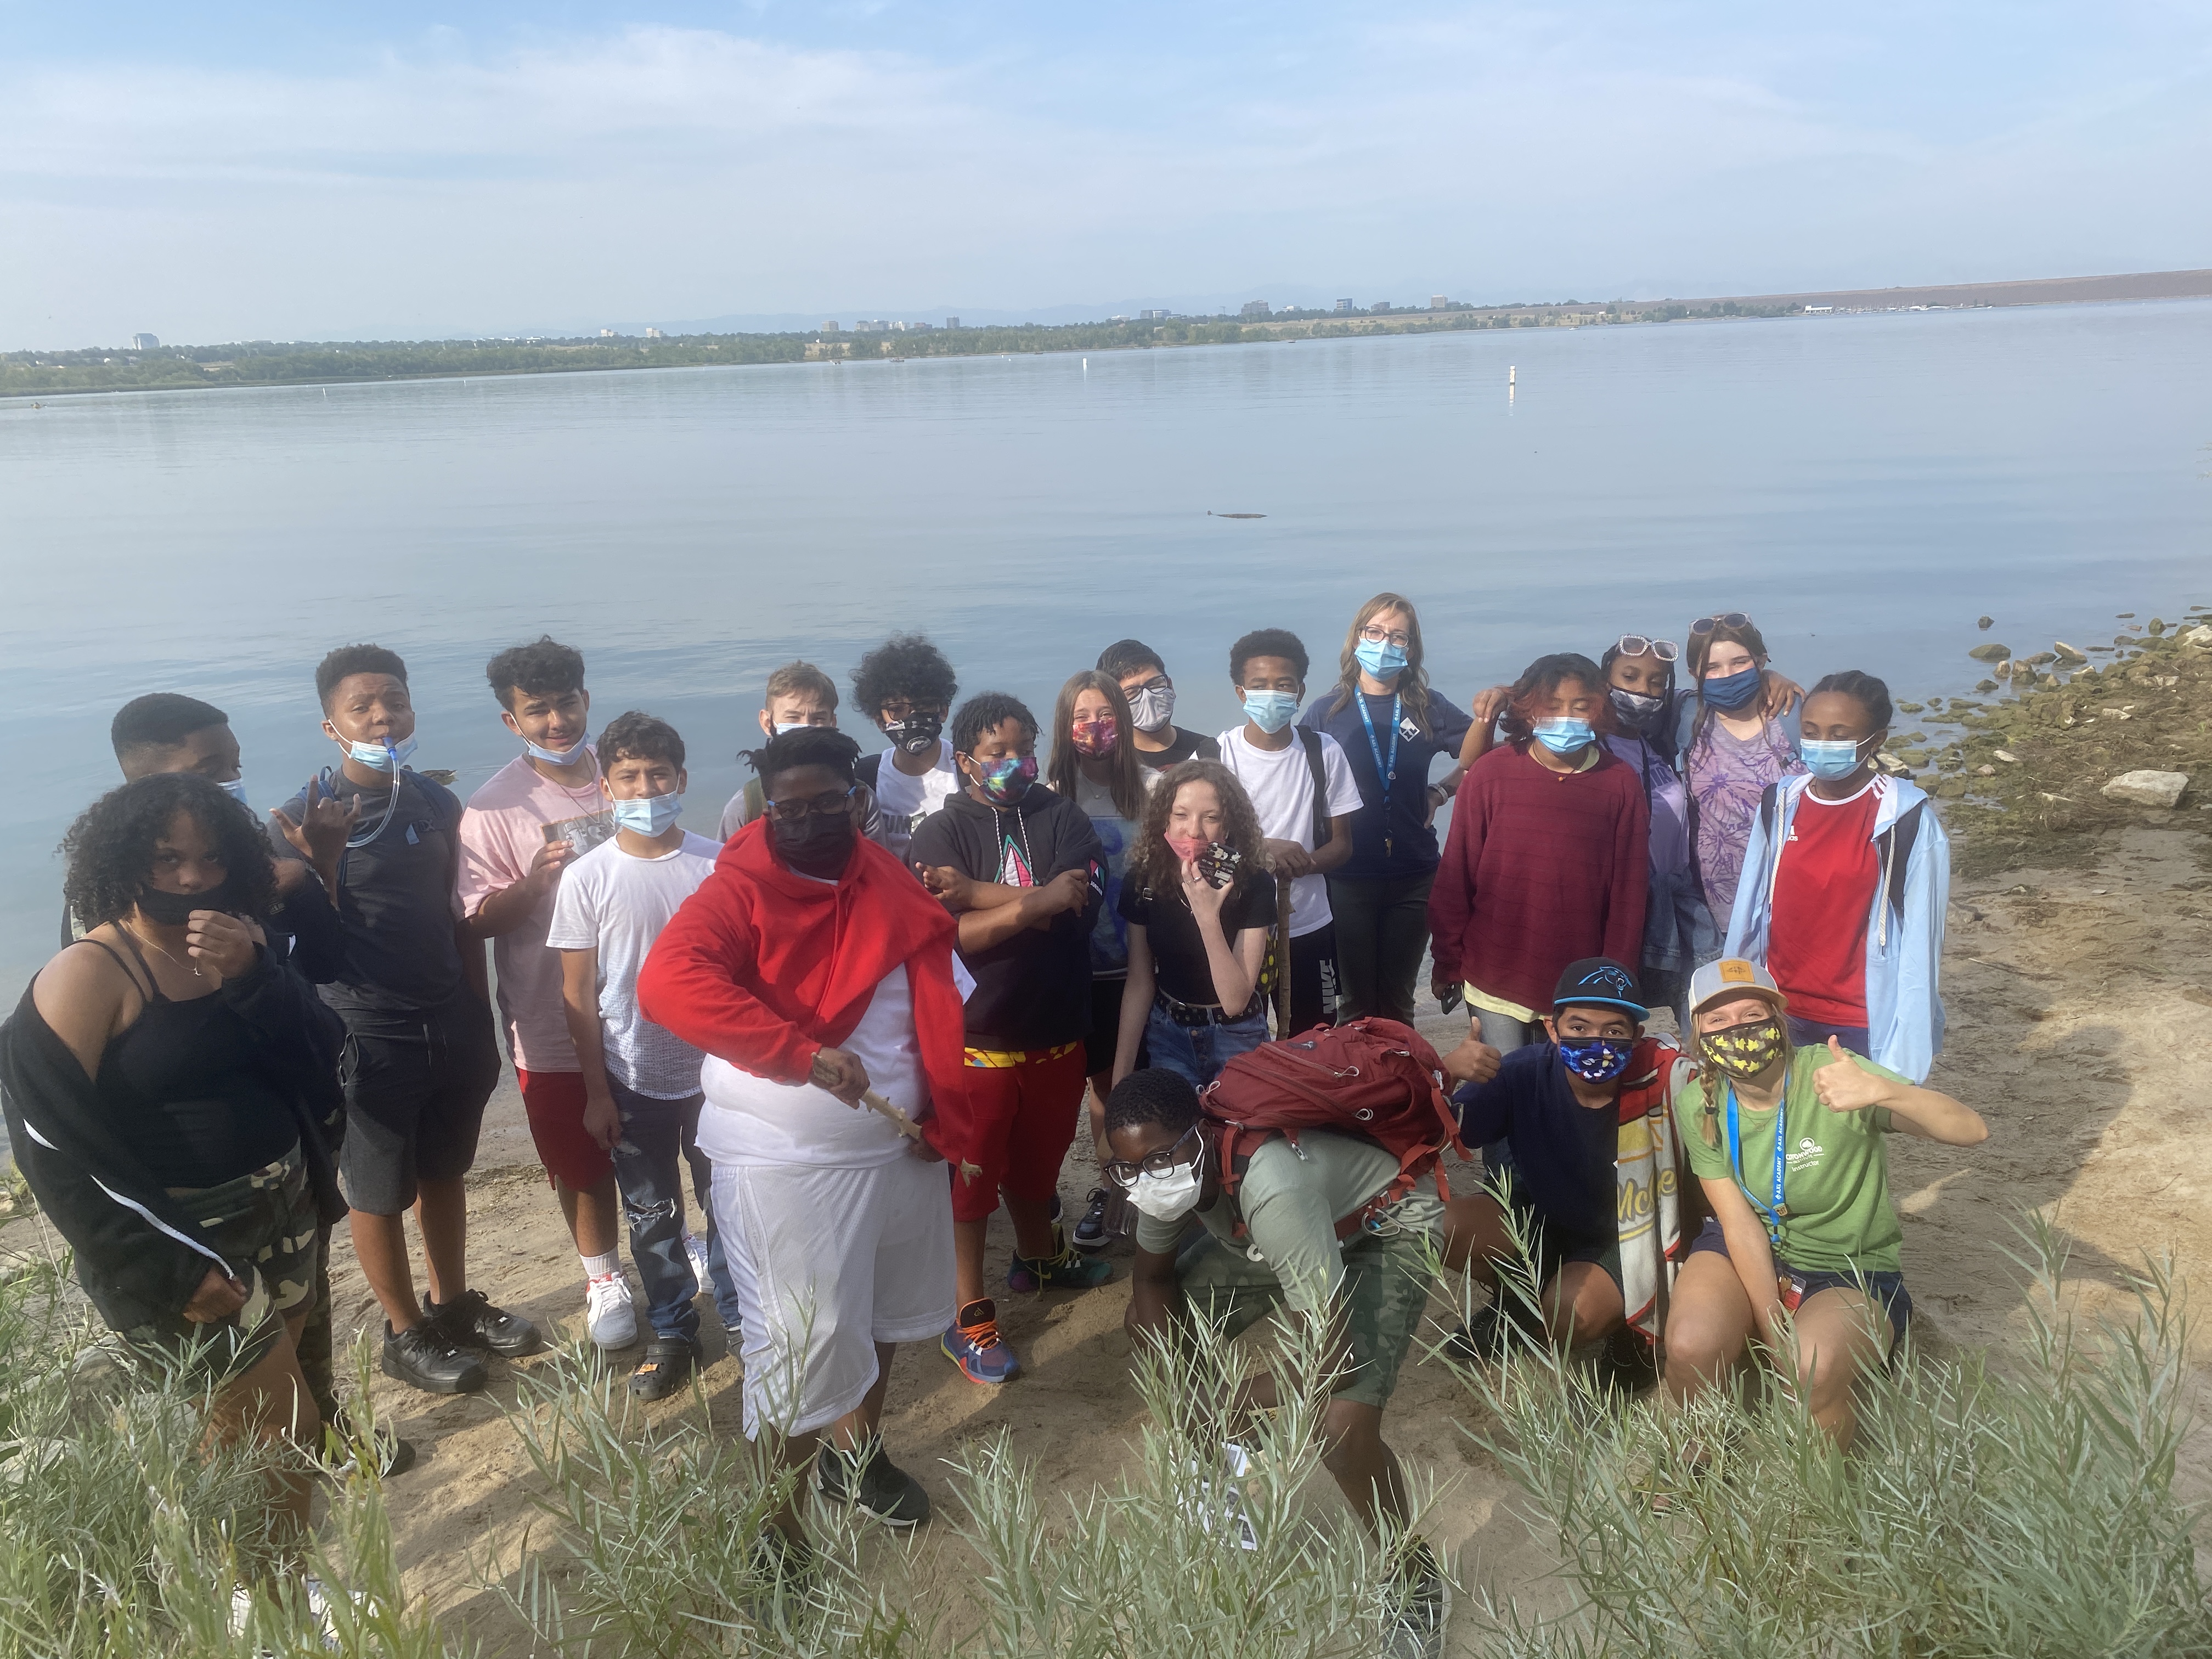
column 1835, row 1183
column 1292, row 1198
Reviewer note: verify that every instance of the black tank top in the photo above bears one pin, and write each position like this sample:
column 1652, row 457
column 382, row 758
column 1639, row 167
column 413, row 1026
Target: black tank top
column 182, row 1086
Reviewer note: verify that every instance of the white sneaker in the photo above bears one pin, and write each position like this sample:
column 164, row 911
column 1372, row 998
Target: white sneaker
column 696, row 1249
column 609, row 1314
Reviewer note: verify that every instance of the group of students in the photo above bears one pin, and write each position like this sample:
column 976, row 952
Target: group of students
column 871, row 1008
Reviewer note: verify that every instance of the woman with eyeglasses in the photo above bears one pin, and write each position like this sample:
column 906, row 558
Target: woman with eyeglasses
column 1392, row 725
column 1198, row 904
column 1737, row 746
column 1095, row 764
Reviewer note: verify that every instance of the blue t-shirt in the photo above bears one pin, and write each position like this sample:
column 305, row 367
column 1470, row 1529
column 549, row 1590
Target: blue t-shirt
column 1562, row 1150
column 1390, row 838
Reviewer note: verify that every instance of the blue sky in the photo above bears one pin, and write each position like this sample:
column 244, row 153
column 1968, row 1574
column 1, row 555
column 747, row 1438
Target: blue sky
column 226, row 172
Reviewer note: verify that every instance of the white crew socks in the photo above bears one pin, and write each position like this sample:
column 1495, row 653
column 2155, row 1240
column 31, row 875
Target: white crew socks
column 599, row 1266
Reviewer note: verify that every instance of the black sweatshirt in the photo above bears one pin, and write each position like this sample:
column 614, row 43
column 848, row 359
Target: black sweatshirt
column 1032, row 991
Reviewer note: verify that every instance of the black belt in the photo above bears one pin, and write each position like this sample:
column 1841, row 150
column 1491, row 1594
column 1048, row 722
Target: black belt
column 1196, row 1016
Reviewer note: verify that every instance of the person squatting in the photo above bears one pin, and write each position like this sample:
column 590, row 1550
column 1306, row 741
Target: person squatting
column 801, row 1061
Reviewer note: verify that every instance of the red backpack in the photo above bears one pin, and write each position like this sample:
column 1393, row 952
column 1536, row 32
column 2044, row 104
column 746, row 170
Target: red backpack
column 1373, row 1078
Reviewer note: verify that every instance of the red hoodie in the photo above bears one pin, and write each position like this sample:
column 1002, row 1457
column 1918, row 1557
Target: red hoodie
column 764, row 969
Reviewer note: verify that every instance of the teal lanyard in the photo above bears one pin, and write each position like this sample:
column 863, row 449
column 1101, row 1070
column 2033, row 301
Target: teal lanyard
column 1772, row 1213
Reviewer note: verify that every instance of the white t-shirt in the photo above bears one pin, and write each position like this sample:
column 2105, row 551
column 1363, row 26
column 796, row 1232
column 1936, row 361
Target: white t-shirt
column 1280, row 784
column 904, row 802
column 616, row 903
column 750, row 1120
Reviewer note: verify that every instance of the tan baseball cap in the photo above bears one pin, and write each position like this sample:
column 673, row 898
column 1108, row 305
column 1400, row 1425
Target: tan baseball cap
column 1732, row 976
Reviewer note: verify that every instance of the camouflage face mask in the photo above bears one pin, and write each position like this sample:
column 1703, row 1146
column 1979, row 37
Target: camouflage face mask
column 1743, row 1052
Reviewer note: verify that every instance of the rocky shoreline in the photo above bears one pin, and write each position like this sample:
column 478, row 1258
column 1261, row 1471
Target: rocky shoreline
column 2061, row 743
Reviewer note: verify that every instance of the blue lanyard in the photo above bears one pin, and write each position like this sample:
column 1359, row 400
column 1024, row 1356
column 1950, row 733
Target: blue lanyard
column 1771, row 1214
column 1388, row 772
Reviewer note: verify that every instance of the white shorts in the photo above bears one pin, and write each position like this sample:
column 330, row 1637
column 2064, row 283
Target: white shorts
column 827, row 1262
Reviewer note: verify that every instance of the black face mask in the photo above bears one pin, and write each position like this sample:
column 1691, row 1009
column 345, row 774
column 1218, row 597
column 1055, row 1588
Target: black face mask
column 175, row 909
column 917, row 734
column 1644, row 714
column 814, row 845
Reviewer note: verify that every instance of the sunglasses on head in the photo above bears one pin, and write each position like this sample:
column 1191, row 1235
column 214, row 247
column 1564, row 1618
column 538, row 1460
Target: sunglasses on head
column 1635, row 645
column 1723, row 619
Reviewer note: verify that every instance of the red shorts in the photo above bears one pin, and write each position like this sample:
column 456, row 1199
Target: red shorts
column 1023, row 1115
column 554, row 1103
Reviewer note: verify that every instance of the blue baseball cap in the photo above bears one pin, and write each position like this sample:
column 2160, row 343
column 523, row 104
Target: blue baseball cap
column 1601, row 982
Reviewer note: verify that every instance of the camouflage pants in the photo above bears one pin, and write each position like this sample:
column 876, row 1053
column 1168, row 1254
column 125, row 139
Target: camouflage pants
column 264, row 1221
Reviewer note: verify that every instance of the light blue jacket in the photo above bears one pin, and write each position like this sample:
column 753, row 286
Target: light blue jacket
column 1904, row 934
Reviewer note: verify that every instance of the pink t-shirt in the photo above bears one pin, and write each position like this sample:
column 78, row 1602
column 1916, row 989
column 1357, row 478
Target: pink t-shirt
column 516, row 813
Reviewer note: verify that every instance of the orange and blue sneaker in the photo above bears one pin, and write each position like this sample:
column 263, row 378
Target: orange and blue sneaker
column 973, row 1343
column 1066, row 1271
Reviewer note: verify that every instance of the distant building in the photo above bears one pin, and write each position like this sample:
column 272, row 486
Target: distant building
column 871, row 326
column 1437, row 302
column 1160, row 316
column 1380, row 306
column 829, row 327
column 655, row 334
column 144, row 343
column 1117, row 318
column 1818, row 311
column 952, row 322
column 606, row 334
column 1344, row 305
column 1254, row 308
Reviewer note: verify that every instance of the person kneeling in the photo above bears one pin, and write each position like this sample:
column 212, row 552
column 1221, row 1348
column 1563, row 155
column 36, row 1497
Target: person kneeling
column 1289, row 1200
column 1788, row 1144
column 1592, row 1177
column 814, row 971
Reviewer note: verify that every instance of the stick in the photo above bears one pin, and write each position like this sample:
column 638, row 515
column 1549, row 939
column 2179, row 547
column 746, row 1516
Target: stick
column 905, row 1125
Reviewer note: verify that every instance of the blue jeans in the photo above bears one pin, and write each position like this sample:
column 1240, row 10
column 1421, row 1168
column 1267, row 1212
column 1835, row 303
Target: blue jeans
column 1196, row 1053
column 659, row 1138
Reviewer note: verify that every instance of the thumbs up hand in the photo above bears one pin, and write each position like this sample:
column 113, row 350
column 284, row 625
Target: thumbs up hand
column 1845, row 1086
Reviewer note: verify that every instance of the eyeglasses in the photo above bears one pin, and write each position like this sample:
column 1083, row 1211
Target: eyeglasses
column 1377, row 636
column 825, row 806
column 1723, row 619
column 1158, row 683
column 1635, row 645
column 1123, row 1174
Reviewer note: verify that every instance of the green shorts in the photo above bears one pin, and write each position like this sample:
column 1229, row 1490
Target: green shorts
column 265, row 1218
column 1386, row 1293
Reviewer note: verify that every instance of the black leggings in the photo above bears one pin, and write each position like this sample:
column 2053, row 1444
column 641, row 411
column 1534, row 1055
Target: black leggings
column 1382, row 928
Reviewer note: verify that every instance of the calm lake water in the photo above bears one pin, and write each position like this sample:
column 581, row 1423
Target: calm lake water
column 1864, row 486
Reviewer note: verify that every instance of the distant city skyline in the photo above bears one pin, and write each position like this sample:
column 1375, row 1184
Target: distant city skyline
column 420, row 172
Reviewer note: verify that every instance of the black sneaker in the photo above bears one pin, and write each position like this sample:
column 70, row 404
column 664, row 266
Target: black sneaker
column 421, row 1357
column 394, row 1455
column 470, row 1321
column 666, row 1368
column 1423, row 1606
column 1090, row 1231
column 1494, row 1332
column 883, row 1490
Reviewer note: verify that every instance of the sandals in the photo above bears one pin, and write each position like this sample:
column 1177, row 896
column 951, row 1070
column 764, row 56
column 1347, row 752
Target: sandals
column 667, row 1367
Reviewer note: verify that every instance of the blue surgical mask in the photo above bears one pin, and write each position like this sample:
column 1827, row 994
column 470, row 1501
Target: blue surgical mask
column 1731, row 691
column 1833, row 760
column 235, row 788
column 1597, row 1059
column 1380, row 658
column 556, row 756
column 1563, row 737
column 648, row 815
column 1271, row 711
column 382, row 757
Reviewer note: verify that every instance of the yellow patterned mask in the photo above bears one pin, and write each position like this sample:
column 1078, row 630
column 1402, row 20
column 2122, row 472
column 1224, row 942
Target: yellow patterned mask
column 1743, row 1051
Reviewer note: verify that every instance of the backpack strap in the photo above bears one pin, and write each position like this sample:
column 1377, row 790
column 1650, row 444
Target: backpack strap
column 1901, row 835
column 1768, row 799
column 1309, row 740
column 870, row 769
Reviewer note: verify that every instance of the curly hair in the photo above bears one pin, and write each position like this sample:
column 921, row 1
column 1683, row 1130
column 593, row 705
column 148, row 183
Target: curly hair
column 343, row 664
column 1154, row 861
column 636, row 735
column 1545, row 676
column 111, row 848
column 1268, row 642
column 985, row 712
column 544, row 667
column 903, row 665
column 1412, row 680
column 1125, row 784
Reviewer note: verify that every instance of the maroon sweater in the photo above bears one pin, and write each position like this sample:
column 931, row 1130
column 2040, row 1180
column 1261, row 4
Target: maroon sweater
column 1542, row 869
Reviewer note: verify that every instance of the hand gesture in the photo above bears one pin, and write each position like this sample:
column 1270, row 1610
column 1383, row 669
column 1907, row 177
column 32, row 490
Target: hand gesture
column 326, row 825
column 1288, row 859
column 218, row 1297
column 602, row 1119
column 1844, row 1086
column 222, row 941
column 1204, row 898
column 841, row 1074
column 1489, row 704
column 1473, row 1061
column 943, row 882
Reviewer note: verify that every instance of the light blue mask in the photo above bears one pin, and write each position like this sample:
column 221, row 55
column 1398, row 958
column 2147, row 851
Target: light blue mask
column 382, row 757
column 556, row 756
column 1834, row 760
column 1271, row 711
column 235, row 788
column 1380, row 658
column 649, row 815
column 1563, row 737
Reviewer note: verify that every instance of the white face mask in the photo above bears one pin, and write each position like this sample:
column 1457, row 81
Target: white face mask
column 1168, row 1196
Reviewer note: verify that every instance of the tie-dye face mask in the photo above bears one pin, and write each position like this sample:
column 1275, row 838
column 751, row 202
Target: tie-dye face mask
column 1743, row 1052
column 1004, row 782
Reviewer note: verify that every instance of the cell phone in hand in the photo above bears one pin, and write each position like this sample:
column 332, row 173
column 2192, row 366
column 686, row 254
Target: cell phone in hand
column 1217, row 864
column 1452, row 998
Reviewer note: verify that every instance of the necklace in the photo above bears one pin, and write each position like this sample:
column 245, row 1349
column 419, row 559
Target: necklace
column 190, row 968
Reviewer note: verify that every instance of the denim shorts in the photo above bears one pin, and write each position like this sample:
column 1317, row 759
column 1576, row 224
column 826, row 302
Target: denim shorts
column 1887, row 1289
